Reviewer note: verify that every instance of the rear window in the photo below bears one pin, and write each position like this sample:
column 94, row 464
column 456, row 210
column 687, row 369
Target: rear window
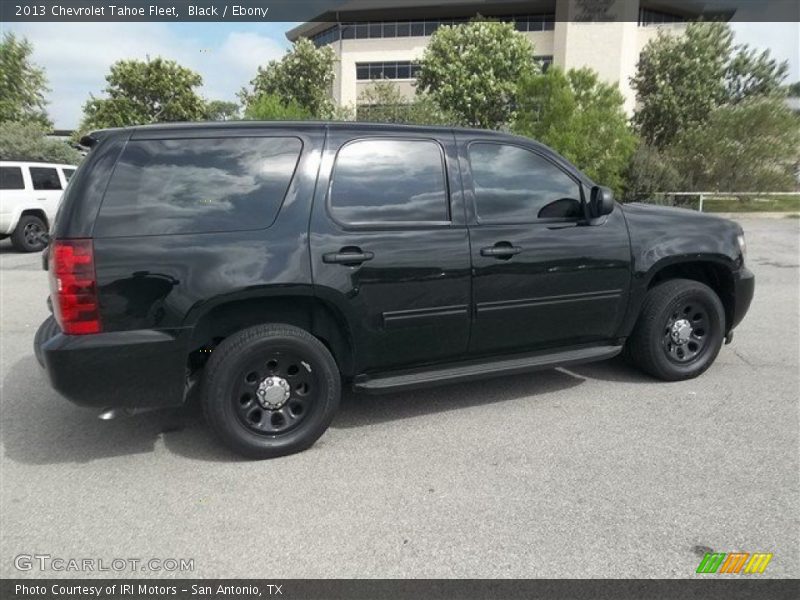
column 197, row 185
column 68, row 173
column 45, row 179
column 11, row 178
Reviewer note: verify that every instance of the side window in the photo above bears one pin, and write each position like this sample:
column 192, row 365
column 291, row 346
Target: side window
column 197, row 185
column 389, row 181
column 45, row 178
column 11, row 178
column 515, row 185
column 68, row 174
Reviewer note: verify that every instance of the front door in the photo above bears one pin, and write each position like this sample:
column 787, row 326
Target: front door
column 543, row 277
column 389, row 246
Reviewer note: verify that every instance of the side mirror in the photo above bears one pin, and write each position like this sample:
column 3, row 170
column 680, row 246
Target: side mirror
column 601, row 201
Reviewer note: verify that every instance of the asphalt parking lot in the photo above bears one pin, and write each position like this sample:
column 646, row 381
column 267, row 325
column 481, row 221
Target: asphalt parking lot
column 595, row 471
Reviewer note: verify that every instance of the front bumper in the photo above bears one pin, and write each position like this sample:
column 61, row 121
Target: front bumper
column 124, row 369
column 744, row 288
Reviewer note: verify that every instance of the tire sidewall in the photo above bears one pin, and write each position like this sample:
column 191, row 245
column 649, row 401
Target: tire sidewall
column 219, row 406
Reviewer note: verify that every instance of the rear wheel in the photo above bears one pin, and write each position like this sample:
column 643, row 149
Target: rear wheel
column 270, row 390
column 679, row 332
column 27, row 237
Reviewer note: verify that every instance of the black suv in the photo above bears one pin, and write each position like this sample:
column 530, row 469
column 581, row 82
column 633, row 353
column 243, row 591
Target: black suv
column 270, row 262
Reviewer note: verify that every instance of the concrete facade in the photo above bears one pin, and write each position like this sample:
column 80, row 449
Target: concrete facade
column 609, row 42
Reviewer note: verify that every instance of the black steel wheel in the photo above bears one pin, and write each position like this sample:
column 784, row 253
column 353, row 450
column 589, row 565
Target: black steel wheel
column 276, row 392
column 270, row 390
column 679, row 332
column 29, row 234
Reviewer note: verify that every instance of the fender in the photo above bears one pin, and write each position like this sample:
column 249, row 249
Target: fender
column 680, row 240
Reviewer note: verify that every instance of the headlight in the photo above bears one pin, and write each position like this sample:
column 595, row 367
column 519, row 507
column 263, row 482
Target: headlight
column 742, row 245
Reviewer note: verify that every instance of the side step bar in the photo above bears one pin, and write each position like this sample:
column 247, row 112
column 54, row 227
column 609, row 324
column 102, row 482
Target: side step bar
column 476, row 369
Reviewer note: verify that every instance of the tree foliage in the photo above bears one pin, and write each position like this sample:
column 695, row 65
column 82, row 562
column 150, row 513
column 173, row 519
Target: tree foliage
column 23, row 85
column 222, row 110
column 649, row 171
column 580, row 117
column 303, row 76
column 269, row 107
column 681, row 79
column 749, row 146
column 472, row 70
column 141, row 92
column 382, row 102
column 28, row 141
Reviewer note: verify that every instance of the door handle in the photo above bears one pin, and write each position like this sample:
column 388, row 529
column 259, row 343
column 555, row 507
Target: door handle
column 347, row 256
column 501, row 250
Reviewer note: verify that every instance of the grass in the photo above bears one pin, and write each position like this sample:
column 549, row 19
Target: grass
column 752, row 204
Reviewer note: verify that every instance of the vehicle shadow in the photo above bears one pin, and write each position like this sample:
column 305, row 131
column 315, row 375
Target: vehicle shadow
column 39, row 427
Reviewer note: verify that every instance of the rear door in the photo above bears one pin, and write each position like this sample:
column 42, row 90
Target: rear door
column 13, row 196
column 543, row 276
column 389, row 246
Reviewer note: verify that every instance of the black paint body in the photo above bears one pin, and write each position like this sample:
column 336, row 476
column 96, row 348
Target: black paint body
column 427, row 297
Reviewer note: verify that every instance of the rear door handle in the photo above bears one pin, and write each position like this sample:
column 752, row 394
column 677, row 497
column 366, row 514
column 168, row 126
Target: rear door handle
column 501, row 250
column 347, row 256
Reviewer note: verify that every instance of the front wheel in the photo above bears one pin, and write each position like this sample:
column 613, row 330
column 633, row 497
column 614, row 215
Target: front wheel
column 28, row 235
column 679, row 332
column 270, row 390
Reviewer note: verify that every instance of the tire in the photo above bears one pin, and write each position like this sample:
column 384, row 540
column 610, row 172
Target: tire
column 679, row 331
column 24, row 238
column 47, row 329
column 270, row 390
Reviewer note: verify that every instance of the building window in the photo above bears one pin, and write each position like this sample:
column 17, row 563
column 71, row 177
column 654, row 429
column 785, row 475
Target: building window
column 401, row 69
column 420, row 28
column 544, row 62
column 656, row 17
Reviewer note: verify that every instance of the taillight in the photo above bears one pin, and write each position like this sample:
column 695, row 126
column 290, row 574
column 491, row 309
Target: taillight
column 73, row 286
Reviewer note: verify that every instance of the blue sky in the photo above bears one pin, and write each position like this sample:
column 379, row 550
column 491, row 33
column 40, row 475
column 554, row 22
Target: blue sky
column 77, row 56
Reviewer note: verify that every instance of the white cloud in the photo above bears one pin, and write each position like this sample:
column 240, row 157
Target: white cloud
column 77, row 57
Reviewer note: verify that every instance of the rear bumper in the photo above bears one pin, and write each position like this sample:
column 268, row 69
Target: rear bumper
column 145, row 368
column 744, row 288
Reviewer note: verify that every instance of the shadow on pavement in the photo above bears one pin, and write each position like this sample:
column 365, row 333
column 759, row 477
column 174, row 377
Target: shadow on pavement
column 41, row 427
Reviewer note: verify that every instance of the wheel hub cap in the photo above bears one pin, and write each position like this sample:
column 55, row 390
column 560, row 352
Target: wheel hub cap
column 273, row 392
column 681, row 331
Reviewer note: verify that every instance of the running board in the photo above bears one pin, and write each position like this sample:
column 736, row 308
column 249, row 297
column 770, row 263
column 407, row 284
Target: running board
column 479, row 369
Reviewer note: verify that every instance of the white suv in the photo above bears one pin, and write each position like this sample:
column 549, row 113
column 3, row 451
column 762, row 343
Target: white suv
column 29, row 196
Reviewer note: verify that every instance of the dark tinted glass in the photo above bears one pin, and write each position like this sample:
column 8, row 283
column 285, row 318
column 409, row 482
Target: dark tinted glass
column 514, row 185
column 11, row 178
column 45, row 178
column 383, row 181
column 197, row 185
column 68, row 173
column 417, row 28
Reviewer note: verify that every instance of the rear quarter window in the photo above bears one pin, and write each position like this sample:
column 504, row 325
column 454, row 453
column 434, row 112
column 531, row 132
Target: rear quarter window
column 197, row 185
column 11, row 178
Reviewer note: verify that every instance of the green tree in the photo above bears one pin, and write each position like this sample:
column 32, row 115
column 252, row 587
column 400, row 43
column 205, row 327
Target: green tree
column 750, row 74
column 472, row 71
column 793, row 89
column 269, row 107
column 222, row 110
column 23, row 85
column 304, row 75
column 648, row 172
column 749, row 146
column 28, row 141
column 580, row 117
column 141, row 92
column 681, row 79
column 383, row 102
